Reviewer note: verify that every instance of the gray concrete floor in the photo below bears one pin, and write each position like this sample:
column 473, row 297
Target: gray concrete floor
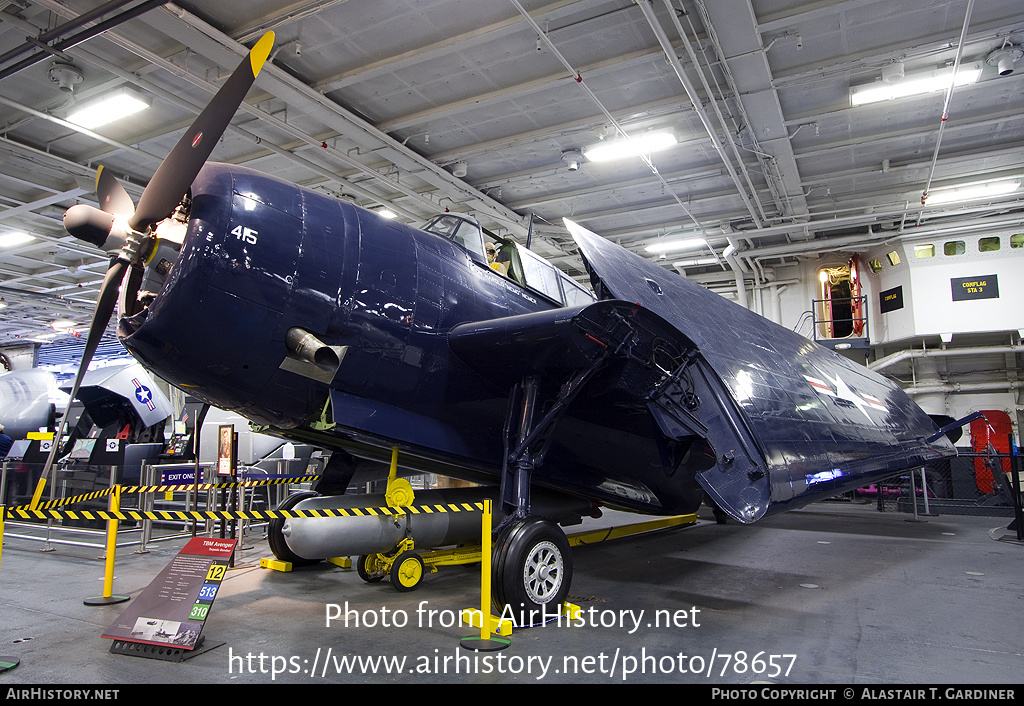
column 832, row 594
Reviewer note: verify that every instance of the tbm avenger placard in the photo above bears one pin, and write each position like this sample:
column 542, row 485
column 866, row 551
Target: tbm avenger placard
column 172, row 610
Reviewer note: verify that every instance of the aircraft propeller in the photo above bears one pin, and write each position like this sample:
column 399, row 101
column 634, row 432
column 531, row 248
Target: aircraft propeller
column 125, row 230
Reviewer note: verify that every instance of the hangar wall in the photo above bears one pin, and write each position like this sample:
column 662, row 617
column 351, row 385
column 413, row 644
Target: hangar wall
column 976, row 368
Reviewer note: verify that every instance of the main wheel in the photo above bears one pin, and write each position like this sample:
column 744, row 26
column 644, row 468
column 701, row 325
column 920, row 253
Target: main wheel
column 532, row 570
column 275, row 532
column 407, row 571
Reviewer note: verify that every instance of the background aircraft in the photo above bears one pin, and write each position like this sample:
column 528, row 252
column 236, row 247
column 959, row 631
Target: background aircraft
column 323, row 323
column 29, row 400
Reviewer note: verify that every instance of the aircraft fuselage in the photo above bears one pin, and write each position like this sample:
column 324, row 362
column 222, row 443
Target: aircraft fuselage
column 263, row 257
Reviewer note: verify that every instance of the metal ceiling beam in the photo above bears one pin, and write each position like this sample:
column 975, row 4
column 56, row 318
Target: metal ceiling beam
column 475, row 37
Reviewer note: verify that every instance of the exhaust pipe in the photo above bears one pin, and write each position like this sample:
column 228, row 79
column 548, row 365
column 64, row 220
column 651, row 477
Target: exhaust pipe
column 312, row 350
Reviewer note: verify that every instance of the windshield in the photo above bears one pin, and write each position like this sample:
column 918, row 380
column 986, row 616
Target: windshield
column 461, row 229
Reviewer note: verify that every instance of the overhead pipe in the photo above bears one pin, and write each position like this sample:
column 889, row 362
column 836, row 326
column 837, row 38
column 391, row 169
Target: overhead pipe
column 319, row 105
column 174, row 99
column 611, row 119
column 83, row 36
column 966, row 388
column 714, row 103
column 56, row 32
column 691, row 92
column 945, row 107
column 916, row 353
column 879, row 237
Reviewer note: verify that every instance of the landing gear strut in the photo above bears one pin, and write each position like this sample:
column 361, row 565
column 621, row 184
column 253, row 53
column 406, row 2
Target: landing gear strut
column 532, row 566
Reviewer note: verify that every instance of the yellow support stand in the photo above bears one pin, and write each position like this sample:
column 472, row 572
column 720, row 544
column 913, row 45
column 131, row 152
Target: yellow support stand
column 489, row 640
column 275, row 564
column 108, row 575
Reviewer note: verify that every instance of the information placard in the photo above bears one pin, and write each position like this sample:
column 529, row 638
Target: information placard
column 891, row 300
column 173, row 608
column 968, row 288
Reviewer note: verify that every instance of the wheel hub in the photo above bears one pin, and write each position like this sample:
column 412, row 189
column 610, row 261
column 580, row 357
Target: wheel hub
column 542, row 573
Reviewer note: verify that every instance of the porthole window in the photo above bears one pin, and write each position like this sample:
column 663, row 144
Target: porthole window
column 921, row 251
column 894, row 258
column 1017, row 241
column 875, row 266
column 954, row 247
column 988, row 244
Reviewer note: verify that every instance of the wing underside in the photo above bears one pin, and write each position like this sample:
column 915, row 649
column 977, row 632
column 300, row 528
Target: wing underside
column 620, row 377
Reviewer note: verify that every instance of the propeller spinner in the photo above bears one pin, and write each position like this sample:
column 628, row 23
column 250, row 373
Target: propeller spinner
column 120, row 227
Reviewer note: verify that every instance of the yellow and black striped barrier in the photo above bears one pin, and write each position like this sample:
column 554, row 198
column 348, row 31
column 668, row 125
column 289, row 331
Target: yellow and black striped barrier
column 215, row 486
column 24, row 512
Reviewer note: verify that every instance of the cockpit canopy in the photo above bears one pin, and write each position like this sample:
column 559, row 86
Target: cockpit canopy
column 518, row 264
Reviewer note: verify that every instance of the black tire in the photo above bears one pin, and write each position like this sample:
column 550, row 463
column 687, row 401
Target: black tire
column 275, row 536
column 532, row 570
column 407, row 571
column 369, row 569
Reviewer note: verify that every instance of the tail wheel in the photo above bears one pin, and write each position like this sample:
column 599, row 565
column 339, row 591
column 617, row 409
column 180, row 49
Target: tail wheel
column 532, row 569
column 275, row 532
column 407, row 571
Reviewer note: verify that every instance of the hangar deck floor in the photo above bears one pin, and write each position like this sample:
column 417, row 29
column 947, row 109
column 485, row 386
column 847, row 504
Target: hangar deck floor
column 853, row 595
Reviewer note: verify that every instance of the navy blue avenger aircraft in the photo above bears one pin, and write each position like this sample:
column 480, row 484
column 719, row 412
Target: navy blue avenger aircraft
column 323, row 323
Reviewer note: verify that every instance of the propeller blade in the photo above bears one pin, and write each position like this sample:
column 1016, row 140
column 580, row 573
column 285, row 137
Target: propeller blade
column 101, row 317
column 177, row 172
column 112, row 196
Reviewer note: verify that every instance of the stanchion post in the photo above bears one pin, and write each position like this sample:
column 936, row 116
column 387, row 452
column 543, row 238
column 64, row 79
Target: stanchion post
column 485, row 572
column 6, row 663
column 488, row 641
column 108, row 575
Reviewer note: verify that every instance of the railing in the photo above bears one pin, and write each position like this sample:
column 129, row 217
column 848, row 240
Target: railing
column 964, row 485
column 827, row 324
column 84, row 489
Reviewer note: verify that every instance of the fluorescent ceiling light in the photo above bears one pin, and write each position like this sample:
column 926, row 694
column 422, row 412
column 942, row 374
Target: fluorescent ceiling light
column 113, row 106
column 635, row 146
column 914, row 85
column 678, row 244
column 11, row 239
column 387, row 213
column 968, row 192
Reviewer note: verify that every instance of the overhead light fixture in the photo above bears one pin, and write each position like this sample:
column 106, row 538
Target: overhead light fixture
column 10, row 239
column 970, row 192
column 646, row 143
column 913, row 85
column 106, row 109
column 386, row 213
column 677, row 244
column 572, row 159
column 1004, row 58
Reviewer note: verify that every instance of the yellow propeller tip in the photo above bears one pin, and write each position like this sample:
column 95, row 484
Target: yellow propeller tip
column 260, row 51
